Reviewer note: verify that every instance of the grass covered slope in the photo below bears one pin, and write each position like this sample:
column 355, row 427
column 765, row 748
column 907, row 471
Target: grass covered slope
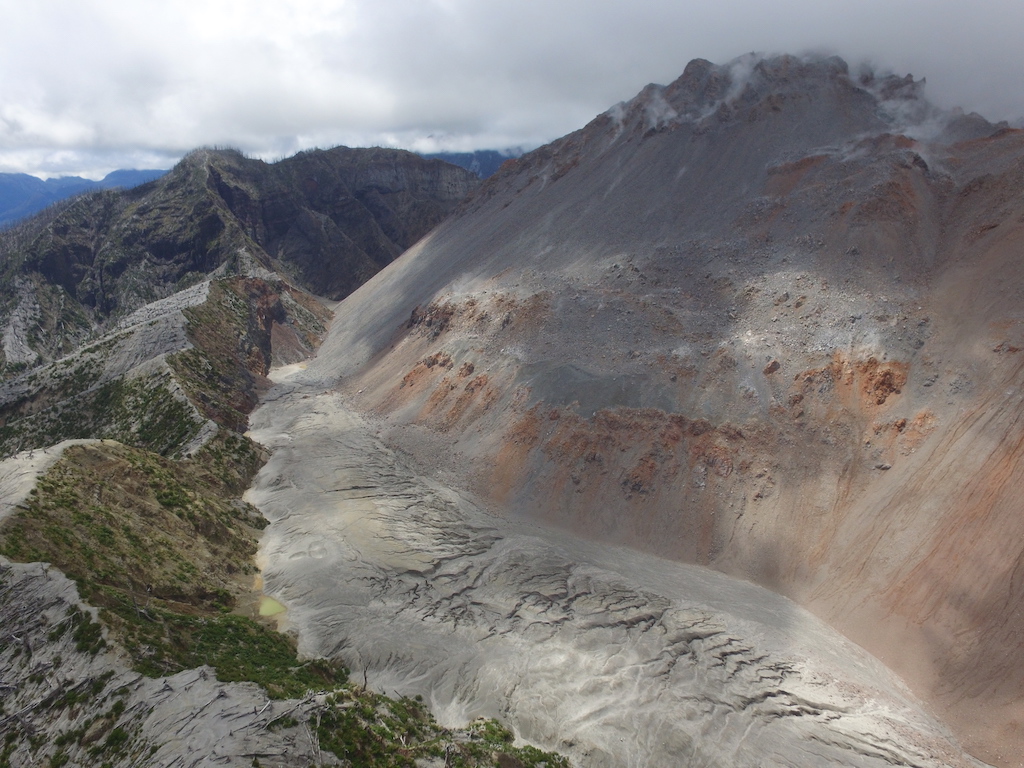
column 151, row 541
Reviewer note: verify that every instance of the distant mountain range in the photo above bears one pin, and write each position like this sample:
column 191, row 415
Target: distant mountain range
column 483, row 162
column 22, row 195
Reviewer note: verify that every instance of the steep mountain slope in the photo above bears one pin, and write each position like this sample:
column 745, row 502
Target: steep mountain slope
column 767, row 319
column 328, row 220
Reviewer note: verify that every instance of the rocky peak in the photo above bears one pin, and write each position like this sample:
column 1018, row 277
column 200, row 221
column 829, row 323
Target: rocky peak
column 752, row 87
column 752, row 84
column 752, row 113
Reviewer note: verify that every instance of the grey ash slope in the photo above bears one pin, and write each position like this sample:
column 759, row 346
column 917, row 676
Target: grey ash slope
column 766, row 319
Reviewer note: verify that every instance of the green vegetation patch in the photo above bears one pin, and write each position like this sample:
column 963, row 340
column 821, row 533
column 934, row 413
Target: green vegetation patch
column 164, row 548
column 238, row 648
column 372, row 731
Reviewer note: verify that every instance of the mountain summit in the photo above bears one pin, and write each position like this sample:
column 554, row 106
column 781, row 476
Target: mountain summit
column 764, row 319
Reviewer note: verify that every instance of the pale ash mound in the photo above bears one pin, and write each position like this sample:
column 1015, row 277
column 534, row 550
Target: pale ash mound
column 609, row 655
column 767, row 319
column 81, row 705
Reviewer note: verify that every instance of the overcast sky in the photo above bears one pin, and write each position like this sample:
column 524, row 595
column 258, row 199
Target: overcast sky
column 87, row 86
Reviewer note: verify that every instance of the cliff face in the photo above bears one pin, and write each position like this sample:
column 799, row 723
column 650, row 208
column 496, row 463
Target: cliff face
column 327, row 219
column 766, row 319
column 334, row 218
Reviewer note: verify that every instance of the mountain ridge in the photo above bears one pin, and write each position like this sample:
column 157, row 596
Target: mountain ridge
column 326, row 219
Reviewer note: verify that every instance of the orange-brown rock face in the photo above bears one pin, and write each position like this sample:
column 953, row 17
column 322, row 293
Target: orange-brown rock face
column 773, row 331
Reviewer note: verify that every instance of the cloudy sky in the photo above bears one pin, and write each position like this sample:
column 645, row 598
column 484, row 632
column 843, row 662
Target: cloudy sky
column 87, row 86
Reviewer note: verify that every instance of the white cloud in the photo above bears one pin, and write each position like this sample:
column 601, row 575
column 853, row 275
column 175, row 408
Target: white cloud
column 102, row 82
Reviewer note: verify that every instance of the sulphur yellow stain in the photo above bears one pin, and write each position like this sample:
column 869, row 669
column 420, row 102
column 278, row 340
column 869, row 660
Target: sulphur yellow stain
column 270, row 607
